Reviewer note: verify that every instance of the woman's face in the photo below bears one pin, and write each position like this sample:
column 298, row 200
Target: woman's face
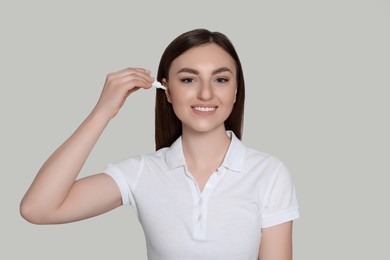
column 202, row 87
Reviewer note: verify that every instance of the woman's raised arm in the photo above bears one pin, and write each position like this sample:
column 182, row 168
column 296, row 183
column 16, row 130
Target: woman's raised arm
column 55, row 196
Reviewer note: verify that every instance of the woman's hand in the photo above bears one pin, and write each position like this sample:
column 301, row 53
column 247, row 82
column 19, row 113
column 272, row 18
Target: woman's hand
column 118, row 86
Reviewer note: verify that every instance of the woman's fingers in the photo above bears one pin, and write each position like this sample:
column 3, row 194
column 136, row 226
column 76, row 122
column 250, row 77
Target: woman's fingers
column 119, row 85
column 139, row 73
column 132, row 80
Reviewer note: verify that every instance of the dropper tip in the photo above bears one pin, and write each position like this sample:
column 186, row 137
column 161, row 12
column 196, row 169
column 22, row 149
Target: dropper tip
column 157, row 84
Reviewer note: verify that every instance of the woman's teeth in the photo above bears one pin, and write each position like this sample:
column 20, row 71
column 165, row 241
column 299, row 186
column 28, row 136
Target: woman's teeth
column 205, row 109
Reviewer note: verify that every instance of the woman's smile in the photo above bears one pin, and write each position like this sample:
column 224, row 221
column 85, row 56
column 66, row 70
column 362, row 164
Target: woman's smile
column 204, row 109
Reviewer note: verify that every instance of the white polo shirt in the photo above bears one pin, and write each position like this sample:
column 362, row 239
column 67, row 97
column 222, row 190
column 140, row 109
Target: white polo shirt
column 249, row 191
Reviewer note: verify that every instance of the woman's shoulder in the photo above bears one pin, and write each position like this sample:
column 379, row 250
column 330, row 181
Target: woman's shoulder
column 139, row 158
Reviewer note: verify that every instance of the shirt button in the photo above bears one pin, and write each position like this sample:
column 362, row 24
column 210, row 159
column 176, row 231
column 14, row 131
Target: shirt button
column 199, row 217
column 208, row 185
column 199, row 202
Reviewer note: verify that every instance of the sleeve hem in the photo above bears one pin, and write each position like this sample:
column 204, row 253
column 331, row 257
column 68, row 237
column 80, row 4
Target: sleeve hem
column 280, row 218
column 117, row 177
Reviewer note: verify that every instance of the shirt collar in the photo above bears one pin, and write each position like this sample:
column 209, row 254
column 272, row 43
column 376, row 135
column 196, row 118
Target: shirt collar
column 234, row 158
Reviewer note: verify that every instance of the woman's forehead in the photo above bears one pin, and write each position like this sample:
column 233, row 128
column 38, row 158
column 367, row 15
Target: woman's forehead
column 208, row 57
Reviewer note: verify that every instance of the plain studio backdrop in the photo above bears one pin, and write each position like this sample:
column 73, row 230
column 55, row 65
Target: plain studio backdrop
column 317, row 79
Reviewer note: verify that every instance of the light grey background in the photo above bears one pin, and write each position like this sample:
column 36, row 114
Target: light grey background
column 317, row 74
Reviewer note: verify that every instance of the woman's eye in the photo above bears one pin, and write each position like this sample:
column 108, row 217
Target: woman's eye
column 187, row 80
column 222, row 80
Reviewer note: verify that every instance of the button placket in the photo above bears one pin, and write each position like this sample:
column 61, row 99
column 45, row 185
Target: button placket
column 199, row 217
column 198, row 209
column 200, row 202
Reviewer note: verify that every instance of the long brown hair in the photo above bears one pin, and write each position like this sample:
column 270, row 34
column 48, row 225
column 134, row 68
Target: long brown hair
column 167, row 126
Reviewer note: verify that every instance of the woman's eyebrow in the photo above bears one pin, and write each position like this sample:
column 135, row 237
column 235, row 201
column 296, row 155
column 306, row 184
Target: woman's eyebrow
column 188, row 70
column 222, row 69
column 193, row 71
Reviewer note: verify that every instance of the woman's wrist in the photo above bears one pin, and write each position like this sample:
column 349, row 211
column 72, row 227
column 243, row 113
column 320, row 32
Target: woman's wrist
column 100, row 115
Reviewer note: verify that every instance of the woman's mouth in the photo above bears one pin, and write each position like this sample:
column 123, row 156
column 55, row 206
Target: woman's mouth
column 204, row 109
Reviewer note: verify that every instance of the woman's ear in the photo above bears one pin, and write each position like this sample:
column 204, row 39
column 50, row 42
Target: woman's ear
column 167, row 92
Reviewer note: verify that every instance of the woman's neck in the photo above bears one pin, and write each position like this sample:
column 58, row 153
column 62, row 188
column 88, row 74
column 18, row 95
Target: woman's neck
column 205, row 150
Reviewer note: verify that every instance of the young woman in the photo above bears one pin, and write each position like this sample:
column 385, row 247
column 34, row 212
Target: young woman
column 203, row 194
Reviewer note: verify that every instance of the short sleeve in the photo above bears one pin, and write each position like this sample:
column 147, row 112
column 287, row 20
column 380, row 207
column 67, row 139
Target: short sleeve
column 280, row 203
column 125, row 174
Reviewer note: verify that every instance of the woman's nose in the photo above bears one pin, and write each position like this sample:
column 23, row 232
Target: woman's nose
column 205, row 91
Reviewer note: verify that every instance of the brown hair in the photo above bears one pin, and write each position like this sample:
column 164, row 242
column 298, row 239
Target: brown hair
column 167, row 126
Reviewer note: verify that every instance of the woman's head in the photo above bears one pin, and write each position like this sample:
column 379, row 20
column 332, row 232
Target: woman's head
column 168, row 127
